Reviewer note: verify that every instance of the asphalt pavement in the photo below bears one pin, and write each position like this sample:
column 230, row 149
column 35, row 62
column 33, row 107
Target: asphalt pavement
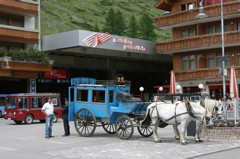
column 28, row 142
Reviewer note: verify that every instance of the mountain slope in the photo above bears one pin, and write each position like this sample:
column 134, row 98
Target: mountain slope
column 66, row 15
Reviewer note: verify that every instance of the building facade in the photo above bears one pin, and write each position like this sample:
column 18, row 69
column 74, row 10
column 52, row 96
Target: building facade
column 196, row 43
column 19, row 30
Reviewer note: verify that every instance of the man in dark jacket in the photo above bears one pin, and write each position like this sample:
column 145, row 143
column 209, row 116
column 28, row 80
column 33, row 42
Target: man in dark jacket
column 65, row 119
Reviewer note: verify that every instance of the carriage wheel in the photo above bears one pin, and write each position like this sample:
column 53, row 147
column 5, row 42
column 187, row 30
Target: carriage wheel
column 109, row 128
column 124, row 127
column 145, row 130
column 85, row 122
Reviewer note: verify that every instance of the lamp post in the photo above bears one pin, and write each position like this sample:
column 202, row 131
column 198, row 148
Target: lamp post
column 141, row 89
column 160, row 89
column 223, row 63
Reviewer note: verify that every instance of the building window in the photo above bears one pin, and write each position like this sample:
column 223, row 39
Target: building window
column 183, row 34
column 227, row 59
column 192, row 63
column 190, row 6
column 187, row 33
column 209, row 29
column 191, row 32
column 211, row 60
column 238, row 57
column 183, row 7
column 238, row 25
column 185, row 62
column 18, row 22
column 219, row 59
column 4, row 20
column 218, row 28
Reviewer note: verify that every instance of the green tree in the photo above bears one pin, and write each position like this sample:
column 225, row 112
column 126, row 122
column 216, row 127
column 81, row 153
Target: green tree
column 110, row 22
column 119, row 24
column 133, row 29
column 146, row 28
column 96, row 28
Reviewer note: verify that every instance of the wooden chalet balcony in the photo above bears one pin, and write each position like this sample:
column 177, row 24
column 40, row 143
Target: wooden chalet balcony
column 203, row 73
column 18, row 35
column 184, row 18
column 19, row 6
column 23, row 70
column 208, row 41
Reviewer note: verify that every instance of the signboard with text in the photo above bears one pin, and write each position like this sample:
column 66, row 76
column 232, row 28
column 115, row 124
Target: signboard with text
column 56, row 73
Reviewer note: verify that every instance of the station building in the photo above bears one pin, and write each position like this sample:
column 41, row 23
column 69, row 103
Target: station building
column 196, row 42
column 103, row 56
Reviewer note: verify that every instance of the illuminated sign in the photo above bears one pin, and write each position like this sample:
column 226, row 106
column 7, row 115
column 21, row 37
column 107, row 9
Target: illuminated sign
column 129, row 45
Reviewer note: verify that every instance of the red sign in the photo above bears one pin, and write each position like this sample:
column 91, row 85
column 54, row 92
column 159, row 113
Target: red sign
column 56, row 73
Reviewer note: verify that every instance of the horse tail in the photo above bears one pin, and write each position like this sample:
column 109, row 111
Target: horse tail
column 147, row 119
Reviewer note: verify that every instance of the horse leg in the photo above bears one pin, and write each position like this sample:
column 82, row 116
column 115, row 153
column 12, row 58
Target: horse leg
column 155, row 134
column 175, row 128
column 199, row 126
column 183, row 127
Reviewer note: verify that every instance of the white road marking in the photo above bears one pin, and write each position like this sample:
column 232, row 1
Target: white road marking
column 6, row 148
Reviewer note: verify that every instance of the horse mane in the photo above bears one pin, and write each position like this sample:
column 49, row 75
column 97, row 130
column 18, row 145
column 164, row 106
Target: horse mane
column 189, row 108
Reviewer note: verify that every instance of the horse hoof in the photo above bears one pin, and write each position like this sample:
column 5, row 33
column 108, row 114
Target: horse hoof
column 200, row 140
column 184, row 143
column 197, row 141
column 177, row 138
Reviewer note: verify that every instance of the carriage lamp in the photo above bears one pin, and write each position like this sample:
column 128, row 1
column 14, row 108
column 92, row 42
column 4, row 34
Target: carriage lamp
column 141, row 89
column 200, row 86
column 178, row 88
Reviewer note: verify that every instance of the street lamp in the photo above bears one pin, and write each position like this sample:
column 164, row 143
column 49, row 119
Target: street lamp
column 141, row 89
column 201, row 13
column 178, row 88
column 160, row 89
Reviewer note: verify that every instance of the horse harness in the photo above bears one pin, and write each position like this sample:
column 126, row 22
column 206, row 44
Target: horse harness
column 189, row 111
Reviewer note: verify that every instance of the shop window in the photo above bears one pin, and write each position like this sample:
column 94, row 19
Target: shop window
column 82, row 95
column 98, row 96
column 183, row 7
column 4, row 20
column 22, row 103
column 111, row 96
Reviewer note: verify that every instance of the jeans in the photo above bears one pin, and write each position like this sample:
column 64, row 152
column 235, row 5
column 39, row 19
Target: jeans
column 49, row 124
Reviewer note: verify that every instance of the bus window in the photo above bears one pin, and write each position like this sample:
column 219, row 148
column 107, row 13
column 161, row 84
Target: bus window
column 11, row 103
column 99, row 96
column 2, row 103
column 37, row 102
column 22, row 103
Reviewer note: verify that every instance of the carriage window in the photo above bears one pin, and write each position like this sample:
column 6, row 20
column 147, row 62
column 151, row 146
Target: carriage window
column 71, row 95
column 176, row 98
column 2, row 99
column 111, row 96
column 82, row 95
column 22, row 103
column 37, row 102
column 194, row 98
column 99, row 96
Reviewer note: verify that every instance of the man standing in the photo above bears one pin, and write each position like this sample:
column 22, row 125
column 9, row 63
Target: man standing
column 48, row 110
column 65, row 119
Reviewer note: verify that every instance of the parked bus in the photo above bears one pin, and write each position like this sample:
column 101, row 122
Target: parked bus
column 2, row 106
column 27, row 106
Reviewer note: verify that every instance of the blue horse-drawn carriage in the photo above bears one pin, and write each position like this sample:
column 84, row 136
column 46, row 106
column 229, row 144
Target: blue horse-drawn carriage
column 108, row 104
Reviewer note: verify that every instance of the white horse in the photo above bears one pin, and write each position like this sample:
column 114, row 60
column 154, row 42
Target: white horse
column 211, row 106
column 180, row 113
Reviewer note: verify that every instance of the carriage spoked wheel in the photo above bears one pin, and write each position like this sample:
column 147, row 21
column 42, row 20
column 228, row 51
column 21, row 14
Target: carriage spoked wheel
column 85, row 122
column 109, row 128
column 145, row 130
column 124, row 127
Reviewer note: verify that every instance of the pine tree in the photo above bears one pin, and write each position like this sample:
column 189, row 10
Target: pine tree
column 120, row 24
column 132, row 28
column 110, row 22
column 146, row 28
column 96, row 28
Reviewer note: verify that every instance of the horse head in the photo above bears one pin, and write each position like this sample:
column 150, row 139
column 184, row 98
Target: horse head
column 218, row 109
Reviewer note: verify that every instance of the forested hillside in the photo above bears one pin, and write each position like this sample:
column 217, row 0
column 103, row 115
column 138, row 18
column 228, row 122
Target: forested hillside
column 66, row 15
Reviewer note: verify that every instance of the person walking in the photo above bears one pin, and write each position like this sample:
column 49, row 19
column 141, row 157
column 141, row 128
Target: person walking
column 65, row 119
column 48, row 110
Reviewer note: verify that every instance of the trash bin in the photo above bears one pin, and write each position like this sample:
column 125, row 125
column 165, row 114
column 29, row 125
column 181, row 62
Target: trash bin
column 191, row 129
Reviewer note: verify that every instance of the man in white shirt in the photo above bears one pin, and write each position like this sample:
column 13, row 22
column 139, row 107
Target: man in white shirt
column 48, row 110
